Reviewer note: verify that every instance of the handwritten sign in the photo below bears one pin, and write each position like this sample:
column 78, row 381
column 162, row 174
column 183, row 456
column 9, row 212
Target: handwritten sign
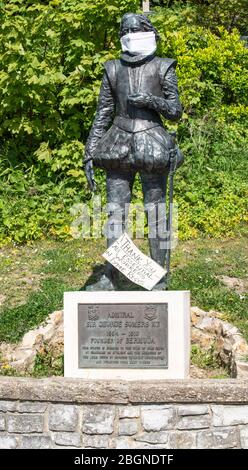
column 139, row 268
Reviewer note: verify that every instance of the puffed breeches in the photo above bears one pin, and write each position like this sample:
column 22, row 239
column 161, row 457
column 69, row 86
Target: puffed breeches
column 146, row 151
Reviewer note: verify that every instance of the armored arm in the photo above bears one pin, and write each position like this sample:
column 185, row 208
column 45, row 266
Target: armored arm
column 103, row 118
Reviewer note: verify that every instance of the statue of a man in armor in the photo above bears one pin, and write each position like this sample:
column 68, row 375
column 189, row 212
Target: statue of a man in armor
column 127, row 135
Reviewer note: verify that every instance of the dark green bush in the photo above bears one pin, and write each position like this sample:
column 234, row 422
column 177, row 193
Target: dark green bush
column 51, row 57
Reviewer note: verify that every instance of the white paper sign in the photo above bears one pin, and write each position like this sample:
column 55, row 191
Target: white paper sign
column 136, row 266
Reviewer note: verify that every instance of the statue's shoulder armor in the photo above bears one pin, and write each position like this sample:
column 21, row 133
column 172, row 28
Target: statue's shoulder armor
column 111, row 67
column 164, row 64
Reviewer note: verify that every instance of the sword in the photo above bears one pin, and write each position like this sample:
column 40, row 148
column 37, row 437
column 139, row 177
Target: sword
column 172, row 169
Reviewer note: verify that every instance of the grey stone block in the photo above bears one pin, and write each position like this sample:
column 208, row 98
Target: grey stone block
column 98, row 419
column 63, row 417
column 29, row 407
column 223, row 438
column 128, row 427
column 122, row 443
column 127, row 443
column 153, row 437
column 192, row 410
column 60, row 389
column 244, row 437
column 96, row 442
column 129, row 412
column 157, row 418
column 35, row 442
column 25, row 423
column 146, row 445
column 194, row 422
column 8, row 405
column 228, row 415
column 67, row 439
column 64, row 447
column 182, row 440
column 8, row 442
column 2, row 422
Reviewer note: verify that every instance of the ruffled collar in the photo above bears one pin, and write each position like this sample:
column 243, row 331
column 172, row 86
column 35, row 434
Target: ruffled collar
column 135, row 59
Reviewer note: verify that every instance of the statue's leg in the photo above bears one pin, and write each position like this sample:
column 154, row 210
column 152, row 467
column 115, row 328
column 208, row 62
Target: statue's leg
column 119, row 193
column 154, row 190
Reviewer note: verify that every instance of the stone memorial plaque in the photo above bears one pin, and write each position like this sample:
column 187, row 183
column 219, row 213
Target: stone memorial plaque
column 127, row 335
column 123, row 335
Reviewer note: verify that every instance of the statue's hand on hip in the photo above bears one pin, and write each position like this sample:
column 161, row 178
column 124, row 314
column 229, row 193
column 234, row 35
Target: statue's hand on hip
column 140, row 100
column 89, row 173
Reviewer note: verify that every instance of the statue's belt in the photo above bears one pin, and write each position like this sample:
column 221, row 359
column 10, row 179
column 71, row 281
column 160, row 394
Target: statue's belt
column 135, row 125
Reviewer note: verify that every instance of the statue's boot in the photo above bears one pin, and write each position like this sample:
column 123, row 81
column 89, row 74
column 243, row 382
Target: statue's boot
column 161, row 285
column 108, row 281
column 104, row 283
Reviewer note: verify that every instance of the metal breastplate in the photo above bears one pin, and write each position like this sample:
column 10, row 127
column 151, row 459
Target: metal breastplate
column 131, row 80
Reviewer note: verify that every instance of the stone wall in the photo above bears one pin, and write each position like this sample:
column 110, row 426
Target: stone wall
column 58, row 412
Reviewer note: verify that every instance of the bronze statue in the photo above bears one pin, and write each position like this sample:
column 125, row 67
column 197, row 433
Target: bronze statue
column 127, row 135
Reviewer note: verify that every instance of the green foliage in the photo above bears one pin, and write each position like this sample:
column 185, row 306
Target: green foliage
column 14, row 323
column 208, row 292
column 204, row 359
column 211, row 189
column 212, row 70
column 212, row 13
column 46, row 364
column 215, row 13
column 32, row 209
column 51, row 67
column 7, row 370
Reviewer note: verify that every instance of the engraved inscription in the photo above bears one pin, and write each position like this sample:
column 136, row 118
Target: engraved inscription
column 123, row 335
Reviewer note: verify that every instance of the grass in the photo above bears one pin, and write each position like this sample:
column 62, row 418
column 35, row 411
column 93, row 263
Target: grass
column 208, row 361
column 198, row 269
column 204, row 359
column 30, row 291
column 15, row 322
column 46, row 365
column 35, row 277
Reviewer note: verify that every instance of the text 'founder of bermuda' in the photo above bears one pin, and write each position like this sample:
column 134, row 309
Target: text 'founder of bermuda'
column 127, row 135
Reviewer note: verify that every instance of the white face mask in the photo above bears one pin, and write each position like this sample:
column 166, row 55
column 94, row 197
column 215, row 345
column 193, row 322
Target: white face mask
column 139, row 43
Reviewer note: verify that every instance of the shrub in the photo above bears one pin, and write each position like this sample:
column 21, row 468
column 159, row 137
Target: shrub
column 51, row 67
